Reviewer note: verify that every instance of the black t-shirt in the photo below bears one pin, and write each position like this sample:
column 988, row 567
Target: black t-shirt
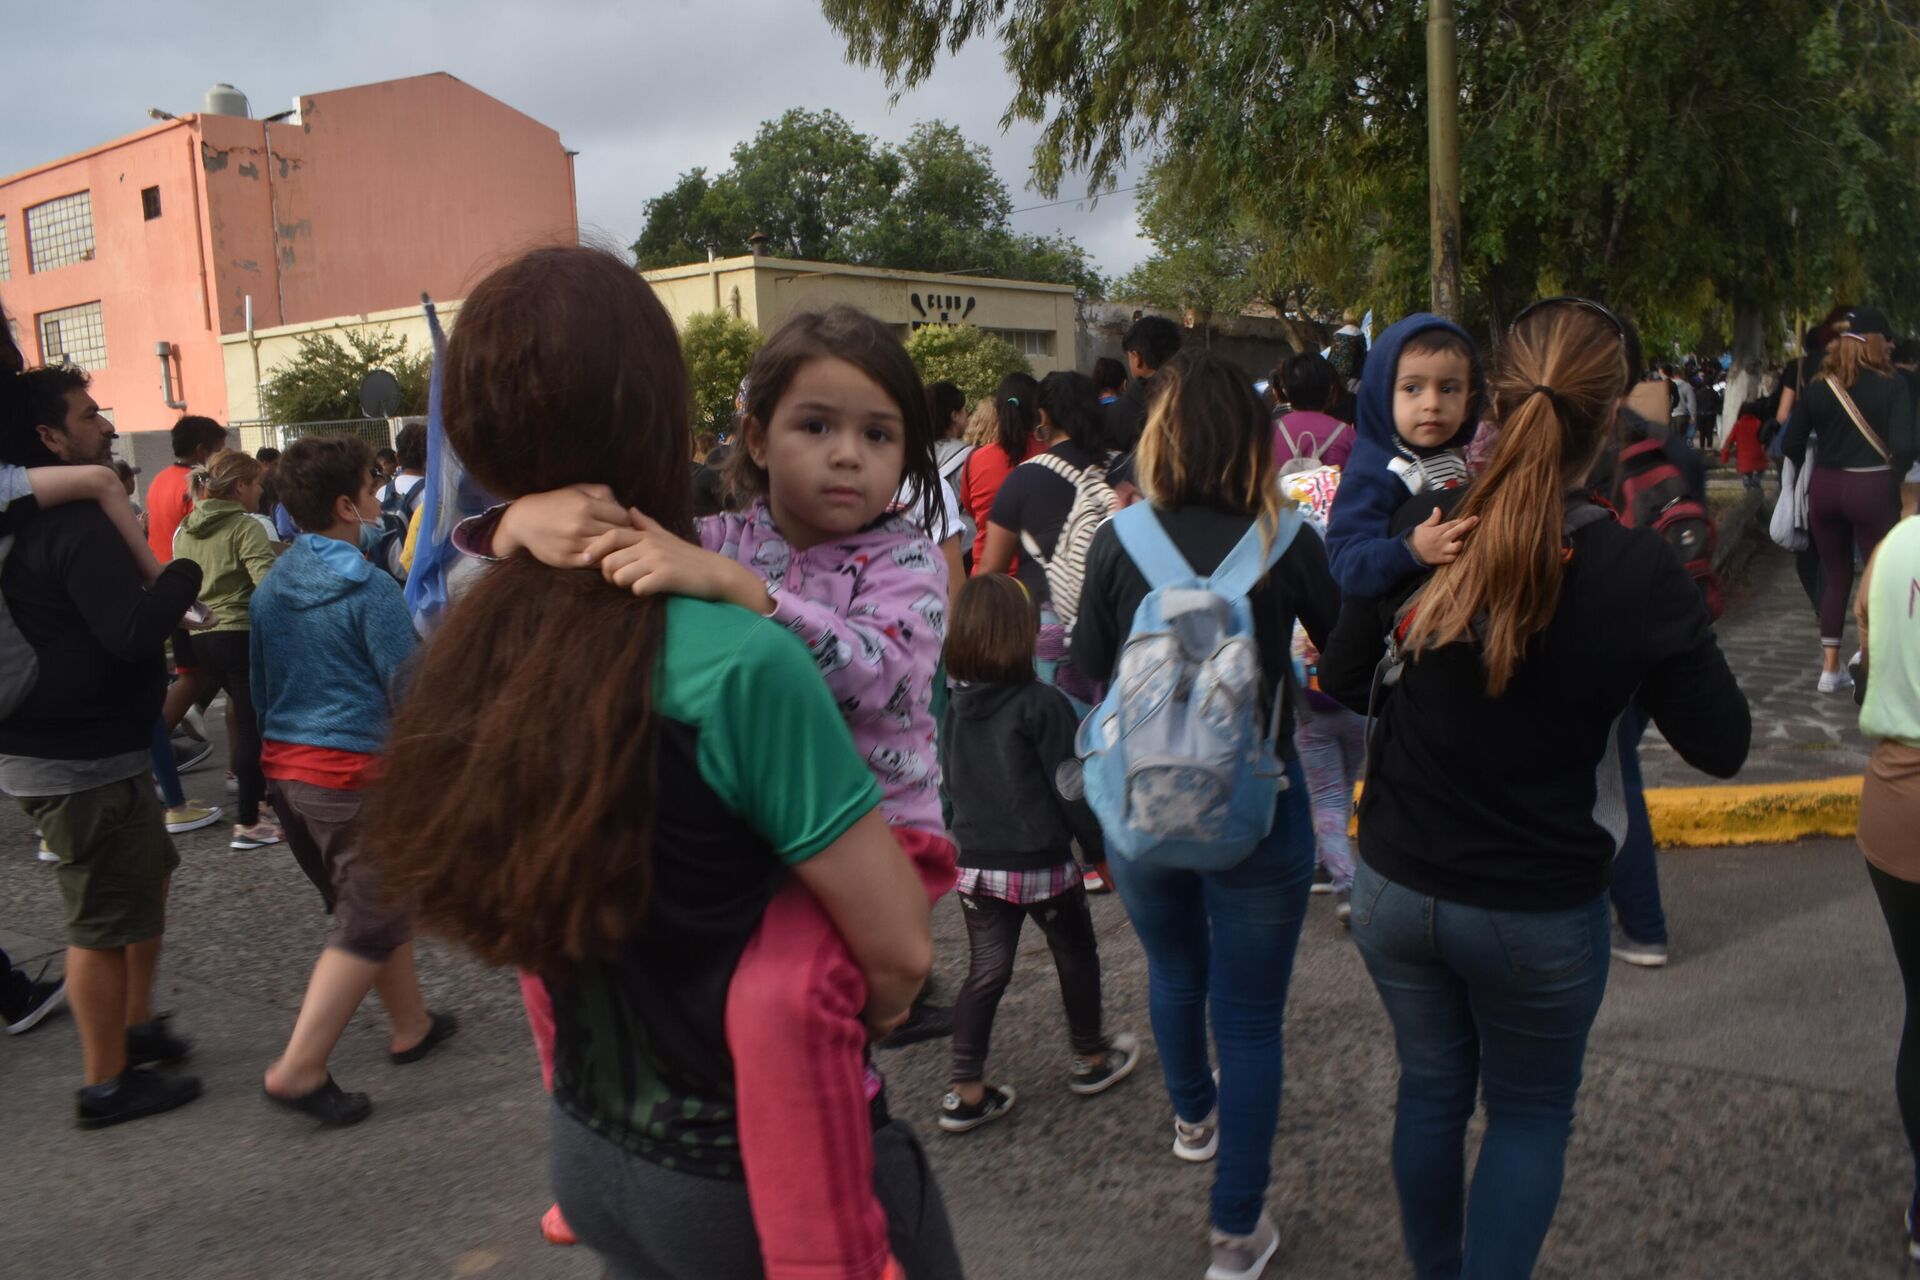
column 1515, row 802
column 1300, row 586
column 1036, row 501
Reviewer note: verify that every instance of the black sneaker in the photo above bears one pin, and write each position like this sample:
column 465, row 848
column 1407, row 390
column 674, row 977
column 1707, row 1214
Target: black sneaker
column 188, row 756
column 150, row 1044
column 135, row 1095
column 924, row 1022
column 42, row 999
column 1122, row 1056
column 958, row 1117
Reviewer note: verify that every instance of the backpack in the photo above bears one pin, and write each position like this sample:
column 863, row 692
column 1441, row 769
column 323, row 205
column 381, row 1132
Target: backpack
column 954, row 472
column 1093, row 504
column 1304, row 459
column 19, row 664
column 1178, row 766
column 1652, row 494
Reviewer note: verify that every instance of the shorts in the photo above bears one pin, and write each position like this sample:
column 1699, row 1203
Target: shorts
column 183, row 659
column 115, row 857
column 323, row 831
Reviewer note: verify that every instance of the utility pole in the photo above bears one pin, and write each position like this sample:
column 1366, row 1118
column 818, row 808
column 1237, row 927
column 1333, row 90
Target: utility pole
column 1443, row 158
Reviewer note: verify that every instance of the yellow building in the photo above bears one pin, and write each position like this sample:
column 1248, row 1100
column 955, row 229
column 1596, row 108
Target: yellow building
column 1038, row 319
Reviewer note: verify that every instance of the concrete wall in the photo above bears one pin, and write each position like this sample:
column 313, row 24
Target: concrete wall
column 765, row 291
column 251, row 359
column 1255, row 343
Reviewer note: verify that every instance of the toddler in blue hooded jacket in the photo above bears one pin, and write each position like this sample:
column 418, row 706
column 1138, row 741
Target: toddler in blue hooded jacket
column 1420, row 400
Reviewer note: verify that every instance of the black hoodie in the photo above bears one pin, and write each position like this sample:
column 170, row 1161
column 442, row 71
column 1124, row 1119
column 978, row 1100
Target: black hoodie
column 1000, row 748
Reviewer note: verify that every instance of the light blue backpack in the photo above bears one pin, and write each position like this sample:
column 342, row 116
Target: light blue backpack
column 1178, row 766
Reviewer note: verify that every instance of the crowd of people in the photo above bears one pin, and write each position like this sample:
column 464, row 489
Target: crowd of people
column 1139, row 630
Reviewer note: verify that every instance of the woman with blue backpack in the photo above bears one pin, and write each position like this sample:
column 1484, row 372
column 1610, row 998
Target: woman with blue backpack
column 1187, row 611
column 1494, row 803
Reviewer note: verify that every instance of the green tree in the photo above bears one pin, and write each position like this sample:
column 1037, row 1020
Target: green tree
column 822, row 190
column 967, row 356
column 718, row 348
column 1608, row 147
column 322, row 381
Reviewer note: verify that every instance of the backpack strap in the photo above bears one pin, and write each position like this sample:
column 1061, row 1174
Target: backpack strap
column 1859, row 419
column 1245, row 565
column 1145, row 539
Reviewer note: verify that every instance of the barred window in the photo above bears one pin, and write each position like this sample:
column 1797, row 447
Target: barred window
column 60, row 232
column 1028, row 342
column 6, row 254
column 74, row 335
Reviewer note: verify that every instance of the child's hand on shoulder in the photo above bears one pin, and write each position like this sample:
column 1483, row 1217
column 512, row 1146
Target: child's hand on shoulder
column 559, row 527
column 1436, row 543
column 648, row 559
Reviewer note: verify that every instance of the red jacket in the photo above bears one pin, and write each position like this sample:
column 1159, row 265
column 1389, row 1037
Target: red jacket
column 1746, row 439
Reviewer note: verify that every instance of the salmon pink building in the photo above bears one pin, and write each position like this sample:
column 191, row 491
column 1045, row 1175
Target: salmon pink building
column 133, row 258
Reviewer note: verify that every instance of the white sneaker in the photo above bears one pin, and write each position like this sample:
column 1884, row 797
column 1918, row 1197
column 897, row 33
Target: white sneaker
column 47, row 854
column 1835, row 681
column 1199, row 1141
column 1243, row 1257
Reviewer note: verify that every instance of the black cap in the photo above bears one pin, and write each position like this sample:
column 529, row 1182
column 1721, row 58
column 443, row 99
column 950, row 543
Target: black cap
column 1867, row 321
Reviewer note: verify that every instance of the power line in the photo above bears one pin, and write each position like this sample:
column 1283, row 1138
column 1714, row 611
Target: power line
column 1077, row 199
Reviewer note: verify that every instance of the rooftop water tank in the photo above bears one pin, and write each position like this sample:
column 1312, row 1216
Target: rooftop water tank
column 225, row 100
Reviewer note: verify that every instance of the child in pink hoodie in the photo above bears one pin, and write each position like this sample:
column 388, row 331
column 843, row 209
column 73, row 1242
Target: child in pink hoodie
column 835, row 420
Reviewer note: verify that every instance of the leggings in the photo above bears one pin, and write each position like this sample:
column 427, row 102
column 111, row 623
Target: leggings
column 1900, row 904
column 1332, row 743
column 1846, row 510
column 223, row 659
column 993, row 934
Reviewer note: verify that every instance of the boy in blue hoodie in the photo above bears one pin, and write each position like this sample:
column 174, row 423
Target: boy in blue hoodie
column 330, row 633
column 1420, row 399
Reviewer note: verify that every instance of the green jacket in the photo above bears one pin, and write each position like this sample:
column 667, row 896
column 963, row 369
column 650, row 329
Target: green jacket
column 233, row 553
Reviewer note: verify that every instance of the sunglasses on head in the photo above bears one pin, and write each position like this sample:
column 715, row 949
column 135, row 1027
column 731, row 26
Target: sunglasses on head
column 1568, row 300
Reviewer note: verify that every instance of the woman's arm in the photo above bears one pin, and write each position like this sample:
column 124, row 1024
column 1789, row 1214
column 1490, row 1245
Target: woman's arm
column 1096, row 630
column 874, row 898
column 1689, row 690
column 1309, row 587
column 1793, row 441
column 1861, row 599
column 256, row 550
column 999, row 547
column 1351, row 656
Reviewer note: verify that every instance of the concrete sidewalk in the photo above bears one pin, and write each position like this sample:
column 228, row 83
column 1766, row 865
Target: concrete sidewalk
column 1737, row 1120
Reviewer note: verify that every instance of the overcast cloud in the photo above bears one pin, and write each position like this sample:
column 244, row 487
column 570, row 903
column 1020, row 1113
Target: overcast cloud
column 643, row 89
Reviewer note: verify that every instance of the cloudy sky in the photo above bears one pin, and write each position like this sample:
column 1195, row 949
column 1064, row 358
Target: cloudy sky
column 643, row 89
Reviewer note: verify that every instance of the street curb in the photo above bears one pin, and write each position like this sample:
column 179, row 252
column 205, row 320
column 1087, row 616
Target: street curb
column 1763, row 813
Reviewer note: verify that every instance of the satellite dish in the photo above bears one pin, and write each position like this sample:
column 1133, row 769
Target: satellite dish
column 379, row 394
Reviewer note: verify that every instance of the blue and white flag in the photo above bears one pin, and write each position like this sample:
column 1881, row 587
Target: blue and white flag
column 450, row 495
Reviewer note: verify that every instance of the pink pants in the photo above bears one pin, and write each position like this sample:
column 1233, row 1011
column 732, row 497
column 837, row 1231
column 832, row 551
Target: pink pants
column 800, row 1079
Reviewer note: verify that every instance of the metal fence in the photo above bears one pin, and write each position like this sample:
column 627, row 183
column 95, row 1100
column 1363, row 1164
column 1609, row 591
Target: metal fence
column 378, row 432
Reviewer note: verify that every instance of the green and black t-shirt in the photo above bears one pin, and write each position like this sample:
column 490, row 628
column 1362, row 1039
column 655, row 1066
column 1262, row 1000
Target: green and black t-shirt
column 757, row 773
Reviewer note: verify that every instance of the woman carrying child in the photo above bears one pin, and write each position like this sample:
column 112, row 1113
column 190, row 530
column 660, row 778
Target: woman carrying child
column 1493, row 807
column 835, row 422
column 1003, row 743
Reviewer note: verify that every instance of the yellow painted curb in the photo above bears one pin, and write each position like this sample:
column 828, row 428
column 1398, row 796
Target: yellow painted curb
column 1761, row 813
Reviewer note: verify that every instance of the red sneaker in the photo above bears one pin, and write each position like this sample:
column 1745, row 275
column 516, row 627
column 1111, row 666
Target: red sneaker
column 553, row 1225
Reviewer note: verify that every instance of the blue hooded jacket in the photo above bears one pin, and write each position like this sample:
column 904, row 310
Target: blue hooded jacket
column 330, row 631
column 1366, row 560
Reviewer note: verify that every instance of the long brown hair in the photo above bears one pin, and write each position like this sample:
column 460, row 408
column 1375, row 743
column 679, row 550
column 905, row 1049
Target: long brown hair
column 1848, row 354
column 1208, row 441
column 1560, row 375
column 563, row 369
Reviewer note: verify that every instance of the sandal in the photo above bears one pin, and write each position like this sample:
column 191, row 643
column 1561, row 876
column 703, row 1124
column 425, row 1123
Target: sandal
column 441, row 1028
column 329, row 1104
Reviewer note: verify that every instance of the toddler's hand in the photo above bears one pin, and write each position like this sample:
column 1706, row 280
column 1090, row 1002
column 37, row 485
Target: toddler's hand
column 647, row 560
column 557, row 528
column 1435, row 543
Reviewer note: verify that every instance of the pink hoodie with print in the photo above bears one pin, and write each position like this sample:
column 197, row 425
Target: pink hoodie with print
column 872, row 608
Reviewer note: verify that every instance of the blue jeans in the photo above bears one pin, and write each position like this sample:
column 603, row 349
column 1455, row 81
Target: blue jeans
column 1501, row 1000
column 164, row 771
column 1226, row 939
column 1636, row 874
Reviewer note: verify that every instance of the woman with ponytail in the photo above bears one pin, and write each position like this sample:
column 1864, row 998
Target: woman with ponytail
column 1493, row 806
column 1016, row 408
